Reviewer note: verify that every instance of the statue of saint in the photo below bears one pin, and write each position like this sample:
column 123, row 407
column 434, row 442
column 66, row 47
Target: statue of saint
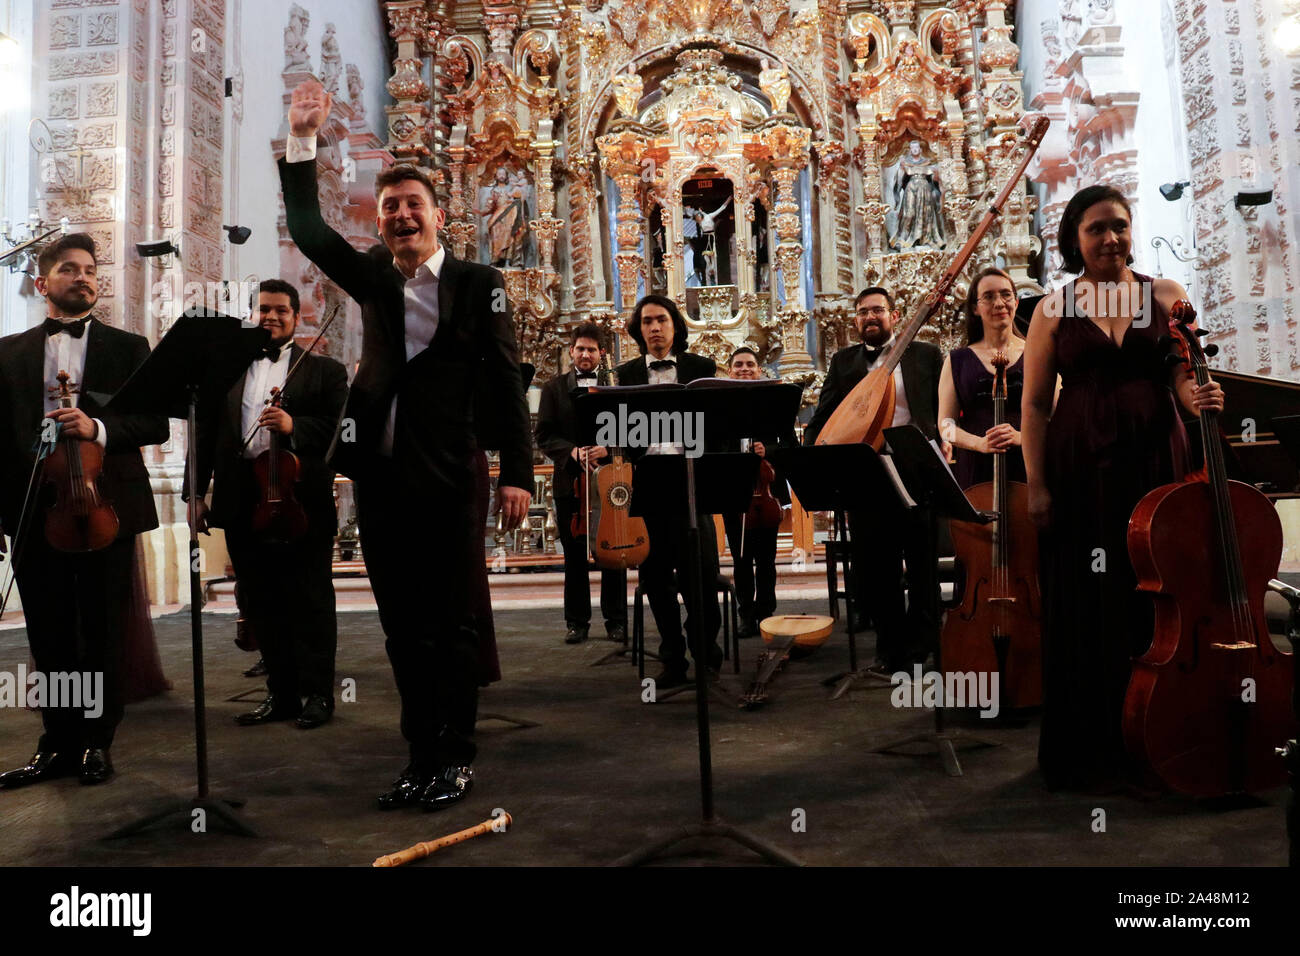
column 296, row 57
column 331, row 61
column 917, row 211
column 506, row 221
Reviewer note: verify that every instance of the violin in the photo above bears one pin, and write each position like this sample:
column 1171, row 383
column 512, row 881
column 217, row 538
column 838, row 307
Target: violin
column 278, row 516
column 1211, row 700
column 81, row 519
column 764, row 510
column 997, row 628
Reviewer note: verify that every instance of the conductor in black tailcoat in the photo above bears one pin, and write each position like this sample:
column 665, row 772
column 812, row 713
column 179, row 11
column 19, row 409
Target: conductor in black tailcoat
column 659, row 329
column 882, row 538
column 438, row 351
column 74, row 603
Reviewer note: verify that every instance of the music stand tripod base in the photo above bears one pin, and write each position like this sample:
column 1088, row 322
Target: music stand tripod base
column 220, row 809
column 843, row 681
column 945, row 744
column 714, row 829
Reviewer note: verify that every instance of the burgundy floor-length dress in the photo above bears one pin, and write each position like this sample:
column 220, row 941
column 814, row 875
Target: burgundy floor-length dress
column 1114, row 436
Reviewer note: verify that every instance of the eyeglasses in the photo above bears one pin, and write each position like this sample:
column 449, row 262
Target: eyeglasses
column 877, row 311
column 1006, row 295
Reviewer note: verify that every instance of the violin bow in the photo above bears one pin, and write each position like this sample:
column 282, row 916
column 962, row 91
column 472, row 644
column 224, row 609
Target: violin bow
column 292, row 369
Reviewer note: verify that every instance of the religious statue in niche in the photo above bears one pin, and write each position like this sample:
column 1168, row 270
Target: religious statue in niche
column 296, row 57
column 915, row 219
column 331, row 61
column 700, row 231
column 505, row 217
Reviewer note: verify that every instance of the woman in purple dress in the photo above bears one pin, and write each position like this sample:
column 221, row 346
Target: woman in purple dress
column 1113, row 436
column 966, row 384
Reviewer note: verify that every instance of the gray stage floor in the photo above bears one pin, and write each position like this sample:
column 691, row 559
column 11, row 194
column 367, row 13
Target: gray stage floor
column 601, row 774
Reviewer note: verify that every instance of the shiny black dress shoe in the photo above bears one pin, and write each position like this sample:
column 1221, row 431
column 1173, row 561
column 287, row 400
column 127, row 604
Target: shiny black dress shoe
column 406, row 790
column 271, row 709
column 575, row 635
column 44, row 765
column 258, row 669
column 616, row 633
column 96, row 767
column 670, row 677
column 315, row 712
column 451, row 785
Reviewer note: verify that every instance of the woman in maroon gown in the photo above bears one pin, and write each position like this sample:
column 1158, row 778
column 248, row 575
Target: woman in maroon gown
column 966, row 384
column 1114, row 435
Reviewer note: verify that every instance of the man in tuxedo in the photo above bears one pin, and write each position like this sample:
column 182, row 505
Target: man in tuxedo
column 882, row 539
column 753, row 550
column 438, row 360
column 286, row 585
column 557, row 433
column 74, row 603
column 658, row 328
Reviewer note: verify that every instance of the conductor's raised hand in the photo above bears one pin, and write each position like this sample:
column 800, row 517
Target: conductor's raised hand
column 309, row 108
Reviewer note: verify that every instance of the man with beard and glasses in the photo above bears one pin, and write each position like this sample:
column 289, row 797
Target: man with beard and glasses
column 286, row 584
column 557, row 432
column 74, row 603
column 439, row 377
column 906, row 631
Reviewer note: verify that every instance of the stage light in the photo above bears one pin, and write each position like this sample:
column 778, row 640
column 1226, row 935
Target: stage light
column 238, row 235
column 1173, row 191
column 1253, row 197
column 157, row 247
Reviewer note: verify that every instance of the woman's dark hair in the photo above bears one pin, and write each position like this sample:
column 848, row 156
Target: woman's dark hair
column 679, row 323
column 974, row 324
column 1083, row 200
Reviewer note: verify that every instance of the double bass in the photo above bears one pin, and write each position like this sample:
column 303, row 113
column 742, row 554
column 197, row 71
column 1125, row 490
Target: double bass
column 81, row 519
column 996, row 628
column 1211, row 700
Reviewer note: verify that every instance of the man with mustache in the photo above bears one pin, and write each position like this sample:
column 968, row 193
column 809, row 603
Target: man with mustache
column 556, row 434
column 286, row 585
column 439, row 366
column 74, row 603
column 882, row 539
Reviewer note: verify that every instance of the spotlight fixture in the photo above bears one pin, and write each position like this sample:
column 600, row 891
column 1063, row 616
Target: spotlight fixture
column 238, row 235
column 157, row 247
column 1173, row 191
column 1253, row 197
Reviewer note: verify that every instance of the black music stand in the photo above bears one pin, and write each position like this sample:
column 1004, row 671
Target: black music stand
column 931, row 485
column 841, row 478
column 729, row 409
column 188, row 376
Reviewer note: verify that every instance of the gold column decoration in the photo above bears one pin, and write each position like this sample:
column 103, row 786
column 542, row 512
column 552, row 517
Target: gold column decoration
column 407, row 117
column 620, row 155
column 784, row 146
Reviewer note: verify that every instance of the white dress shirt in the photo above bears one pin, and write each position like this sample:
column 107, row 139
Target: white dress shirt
column 66, row 353
column 261, row 377
column 664, row 376
column 421, row 292
column 902, row 414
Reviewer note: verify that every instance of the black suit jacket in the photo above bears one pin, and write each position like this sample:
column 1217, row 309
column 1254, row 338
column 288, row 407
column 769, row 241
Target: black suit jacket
column 689, row 367
column 314, row 398
column 112, row 356
column 921, row 365
column 465, row 386
column 557, row 430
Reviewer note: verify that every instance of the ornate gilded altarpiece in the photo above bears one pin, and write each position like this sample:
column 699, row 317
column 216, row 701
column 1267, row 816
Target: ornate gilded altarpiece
column 854, row 140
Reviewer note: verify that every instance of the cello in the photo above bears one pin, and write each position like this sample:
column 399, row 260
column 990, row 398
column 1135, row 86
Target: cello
column 81, row 519
column 1211, row 700
column 996, row 628
column 867, row 410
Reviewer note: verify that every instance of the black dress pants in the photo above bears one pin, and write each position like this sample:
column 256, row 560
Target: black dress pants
column 669, row 552
column 906, row 630
column 286, row 592
column 577, row 580
column 419, row 547
column 75, row 608
column 753, row 568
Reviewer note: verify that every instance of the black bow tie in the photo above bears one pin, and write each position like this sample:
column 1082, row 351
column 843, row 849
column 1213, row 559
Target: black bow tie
column 272, row 354
column 76, row 329
column 872, row 354
column 660, row 364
